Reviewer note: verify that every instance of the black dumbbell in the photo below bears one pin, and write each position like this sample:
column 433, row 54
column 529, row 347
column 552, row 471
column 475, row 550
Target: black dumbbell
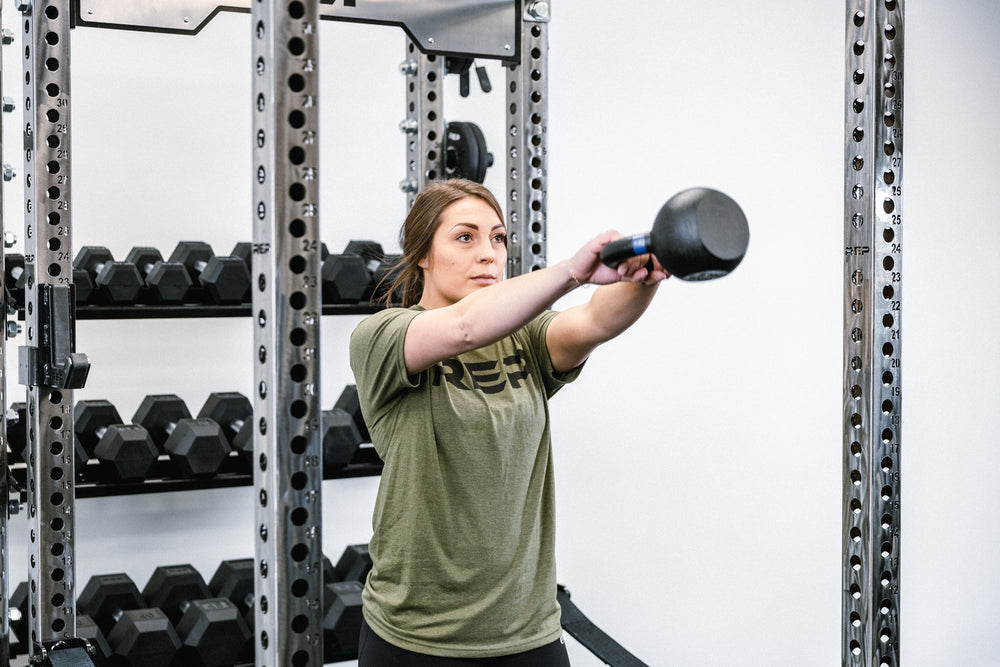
column 15, row 275
column 136, row 633
column 15, row 279
column 349, row 402
column 341, row 439
column 244, row 251
column 354, row 564
column 229, row 409
column 119, row 282
column 211, row 629
column 341, row 620
column 346, row 278
column 197, row 447
column 699, row 234
column 225, row 279
column 87, row 629
column 83, row 285
column 168, row 282
column 243, row 445
column 342, row 602
column 126, row 451
column 17, row 614
column 233, row 580
column 17, row 430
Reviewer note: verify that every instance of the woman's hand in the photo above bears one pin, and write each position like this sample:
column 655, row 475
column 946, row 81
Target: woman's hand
column 586, row 266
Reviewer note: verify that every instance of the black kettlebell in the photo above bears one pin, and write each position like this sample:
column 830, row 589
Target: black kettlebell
column 699, row 234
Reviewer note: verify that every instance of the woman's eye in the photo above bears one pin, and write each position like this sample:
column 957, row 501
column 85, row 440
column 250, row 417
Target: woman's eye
column 465, row 237
column 500, row 238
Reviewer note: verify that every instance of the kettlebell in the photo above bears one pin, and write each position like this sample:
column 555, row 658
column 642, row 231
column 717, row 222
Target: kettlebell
column 699, row 234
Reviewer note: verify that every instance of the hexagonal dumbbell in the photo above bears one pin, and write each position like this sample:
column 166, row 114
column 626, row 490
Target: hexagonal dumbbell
column 229, row 409
column 144, row 637
column 349, row 402
column 354, row 564
column 17, row 434
column 346, row 278
column 15, row 275
column 244, row 250
column 168, row 282
column 197, row 447
column 341, row 619
column 83, row 285
column 383, row 268
column 225, row 279
column 107, row 595
column 341, row 439
column 18, row 614
column 118, row 282
column 243, row 445
column 87, row 629
column 16, row 278
column 126, row 451
column 233, row 580
column 212, row 630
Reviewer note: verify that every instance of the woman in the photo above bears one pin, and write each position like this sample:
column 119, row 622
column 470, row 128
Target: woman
column 454, row 387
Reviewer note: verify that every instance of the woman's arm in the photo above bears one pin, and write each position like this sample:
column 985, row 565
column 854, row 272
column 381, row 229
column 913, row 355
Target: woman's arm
column 575, row 332
column 488, row 314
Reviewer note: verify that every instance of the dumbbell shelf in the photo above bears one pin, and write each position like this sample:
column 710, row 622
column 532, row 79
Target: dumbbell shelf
column 93, row 482
column 154, row 311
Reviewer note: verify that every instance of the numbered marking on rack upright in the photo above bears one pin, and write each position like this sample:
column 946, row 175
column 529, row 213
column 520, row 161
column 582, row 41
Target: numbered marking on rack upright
column 527, row 140
column 872, row 332
column 286, row 304
column 48, row 251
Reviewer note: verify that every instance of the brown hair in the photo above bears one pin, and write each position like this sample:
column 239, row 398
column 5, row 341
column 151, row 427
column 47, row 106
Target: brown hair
column 417, row 233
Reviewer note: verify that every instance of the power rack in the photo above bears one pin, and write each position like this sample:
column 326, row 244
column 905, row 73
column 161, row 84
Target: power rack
column 285, row 305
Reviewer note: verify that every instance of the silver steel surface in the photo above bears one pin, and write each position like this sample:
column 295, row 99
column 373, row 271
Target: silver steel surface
column 286, row 305
column 4, row 488
column 486, row 28
column 424, row 125
column 47, row 254
column 872, row 332
column 527, row 148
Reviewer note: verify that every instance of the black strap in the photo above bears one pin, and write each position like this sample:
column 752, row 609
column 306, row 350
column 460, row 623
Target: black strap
column 596, row 640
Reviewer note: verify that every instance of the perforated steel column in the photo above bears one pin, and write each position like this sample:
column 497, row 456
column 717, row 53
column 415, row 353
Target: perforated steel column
column 424, row 126
column 527, row 153
column 286, row 304
column 872, row 332
column 47, row 255
column 4, row 488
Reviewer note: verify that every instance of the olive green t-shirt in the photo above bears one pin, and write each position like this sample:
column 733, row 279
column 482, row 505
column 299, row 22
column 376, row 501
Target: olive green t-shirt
column 464, row 522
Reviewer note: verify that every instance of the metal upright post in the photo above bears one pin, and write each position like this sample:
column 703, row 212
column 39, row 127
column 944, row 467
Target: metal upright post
column 48, row 363
column 286, row 307
column 527, row 154
column 4, row 475
column 872, row 332
column 424, row 126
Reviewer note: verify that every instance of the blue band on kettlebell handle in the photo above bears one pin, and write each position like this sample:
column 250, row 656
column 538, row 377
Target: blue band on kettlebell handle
column 639, row 244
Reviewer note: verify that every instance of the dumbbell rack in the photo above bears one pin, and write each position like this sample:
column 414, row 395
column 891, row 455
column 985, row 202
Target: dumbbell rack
column 873, row 226
column 286, row 305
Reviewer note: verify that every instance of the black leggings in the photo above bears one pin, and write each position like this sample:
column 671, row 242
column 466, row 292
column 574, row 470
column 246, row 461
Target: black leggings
column 373, row 651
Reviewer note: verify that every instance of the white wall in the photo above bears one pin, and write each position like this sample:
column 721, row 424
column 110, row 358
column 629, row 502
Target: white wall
column 699, row 456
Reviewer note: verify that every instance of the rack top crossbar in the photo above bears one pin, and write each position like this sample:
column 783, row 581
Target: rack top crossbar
column 478, row 28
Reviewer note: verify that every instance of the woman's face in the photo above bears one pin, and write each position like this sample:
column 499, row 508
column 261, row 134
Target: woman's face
column 468, row 252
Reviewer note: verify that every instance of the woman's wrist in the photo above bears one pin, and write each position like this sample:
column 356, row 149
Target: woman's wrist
column 572, row 275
